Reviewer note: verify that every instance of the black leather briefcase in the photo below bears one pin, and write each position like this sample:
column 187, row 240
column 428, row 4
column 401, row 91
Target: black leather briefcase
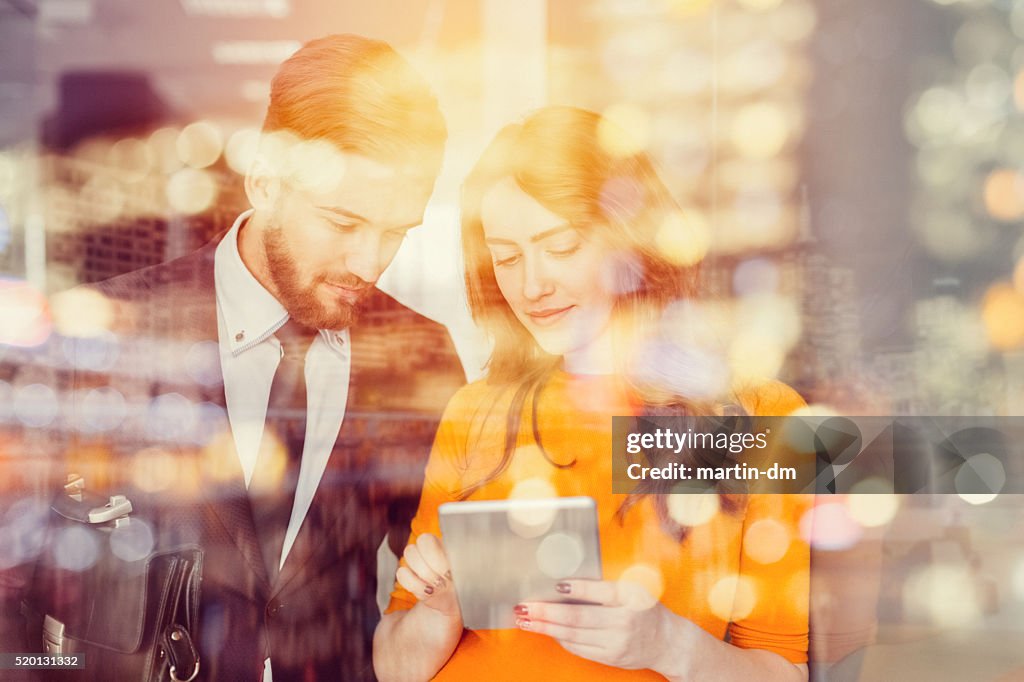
column 104, row 589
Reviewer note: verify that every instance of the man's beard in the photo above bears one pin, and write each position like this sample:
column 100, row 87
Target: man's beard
column 301, row 301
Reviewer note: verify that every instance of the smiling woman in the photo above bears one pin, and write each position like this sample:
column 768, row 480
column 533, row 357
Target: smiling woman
column 598, row 214
column 553, row 277
column 563, row 267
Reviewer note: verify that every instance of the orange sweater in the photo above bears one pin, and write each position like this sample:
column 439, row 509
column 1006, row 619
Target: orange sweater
column 743, row 575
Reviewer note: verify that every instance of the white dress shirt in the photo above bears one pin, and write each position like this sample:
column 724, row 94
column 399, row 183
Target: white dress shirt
column 247, row 317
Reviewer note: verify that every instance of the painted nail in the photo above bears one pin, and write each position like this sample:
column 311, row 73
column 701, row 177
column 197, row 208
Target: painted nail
column 523, row 623
column 429, row 589
column 564, row 588
column 521, row 610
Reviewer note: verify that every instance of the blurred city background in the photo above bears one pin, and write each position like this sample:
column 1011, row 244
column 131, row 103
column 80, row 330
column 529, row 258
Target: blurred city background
column 850, row 173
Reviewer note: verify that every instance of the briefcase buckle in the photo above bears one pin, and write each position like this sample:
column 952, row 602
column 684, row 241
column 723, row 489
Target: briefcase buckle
column 194, row 675
column 118, row 506
column 53, row 636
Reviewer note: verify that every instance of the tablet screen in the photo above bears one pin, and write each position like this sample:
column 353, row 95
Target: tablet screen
column 503, row 552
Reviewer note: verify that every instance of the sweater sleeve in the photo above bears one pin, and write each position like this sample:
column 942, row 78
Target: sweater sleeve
column 771, row 603
column 770, row 607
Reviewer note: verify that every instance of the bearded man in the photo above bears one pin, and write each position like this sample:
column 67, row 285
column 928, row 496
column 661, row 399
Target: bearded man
column 288, row 405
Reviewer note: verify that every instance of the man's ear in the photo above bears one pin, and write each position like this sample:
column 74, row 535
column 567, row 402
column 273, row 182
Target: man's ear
column 262, row 186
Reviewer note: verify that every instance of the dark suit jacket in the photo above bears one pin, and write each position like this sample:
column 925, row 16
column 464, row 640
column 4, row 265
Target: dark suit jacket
column 173, row 455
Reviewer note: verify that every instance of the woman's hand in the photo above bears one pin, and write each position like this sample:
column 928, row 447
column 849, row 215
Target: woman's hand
column 623, row 625
column 428, row 576
column 414, row 644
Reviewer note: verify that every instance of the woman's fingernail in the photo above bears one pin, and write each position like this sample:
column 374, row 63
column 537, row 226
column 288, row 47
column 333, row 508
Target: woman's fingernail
column 521, row 610
column 523, row 623
column 564, row 588
column 448, row 574
column 429, row 589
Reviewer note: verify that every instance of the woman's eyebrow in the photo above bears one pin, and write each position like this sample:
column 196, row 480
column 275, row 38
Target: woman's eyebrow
column 535, row 238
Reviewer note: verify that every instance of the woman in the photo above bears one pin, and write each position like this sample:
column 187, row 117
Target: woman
column 565, row 268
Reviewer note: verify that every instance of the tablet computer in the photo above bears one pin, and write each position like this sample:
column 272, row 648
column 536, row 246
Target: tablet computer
column 503, row 552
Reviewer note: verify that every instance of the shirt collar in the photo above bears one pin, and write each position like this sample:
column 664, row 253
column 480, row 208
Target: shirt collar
column 251, row 314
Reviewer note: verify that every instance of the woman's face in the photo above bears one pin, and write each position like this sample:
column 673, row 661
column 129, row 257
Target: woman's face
column 555, row 281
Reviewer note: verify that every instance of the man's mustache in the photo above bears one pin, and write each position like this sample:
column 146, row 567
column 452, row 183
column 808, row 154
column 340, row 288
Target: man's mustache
column 348, row 281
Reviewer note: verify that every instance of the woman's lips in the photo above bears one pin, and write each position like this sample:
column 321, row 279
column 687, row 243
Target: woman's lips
column 548, row 316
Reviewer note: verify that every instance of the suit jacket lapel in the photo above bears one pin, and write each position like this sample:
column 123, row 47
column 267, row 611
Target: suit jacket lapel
column 225, row 491
column 228, row 498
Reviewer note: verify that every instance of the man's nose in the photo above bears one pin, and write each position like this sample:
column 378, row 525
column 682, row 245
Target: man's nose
column 536, row 280
column 366, row 259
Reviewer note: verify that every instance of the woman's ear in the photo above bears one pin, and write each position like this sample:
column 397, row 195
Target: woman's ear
column 262, row 186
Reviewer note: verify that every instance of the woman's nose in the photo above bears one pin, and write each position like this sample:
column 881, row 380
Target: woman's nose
column 537, row 282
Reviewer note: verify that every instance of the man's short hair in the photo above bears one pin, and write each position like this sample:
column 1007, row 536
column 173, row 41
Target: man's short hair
column 360, row 95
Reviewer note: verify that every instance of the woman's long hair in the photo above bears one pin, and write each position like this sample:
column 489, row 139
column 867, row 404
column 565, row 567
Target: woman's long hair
column 555, row 156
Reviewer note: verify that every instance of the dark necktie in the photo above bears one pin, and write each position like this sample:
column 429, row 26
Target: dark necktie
column 272, row 487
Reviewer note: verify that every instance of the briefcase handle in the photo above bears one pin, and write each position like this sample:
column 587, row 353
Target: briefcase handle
column 78, row 505
column 181, row 653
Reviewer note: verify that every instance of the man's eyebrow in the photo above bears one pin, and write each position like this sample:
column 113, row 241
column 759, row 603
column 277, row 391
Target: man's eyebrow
column 540, row 236
column 341, row 212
